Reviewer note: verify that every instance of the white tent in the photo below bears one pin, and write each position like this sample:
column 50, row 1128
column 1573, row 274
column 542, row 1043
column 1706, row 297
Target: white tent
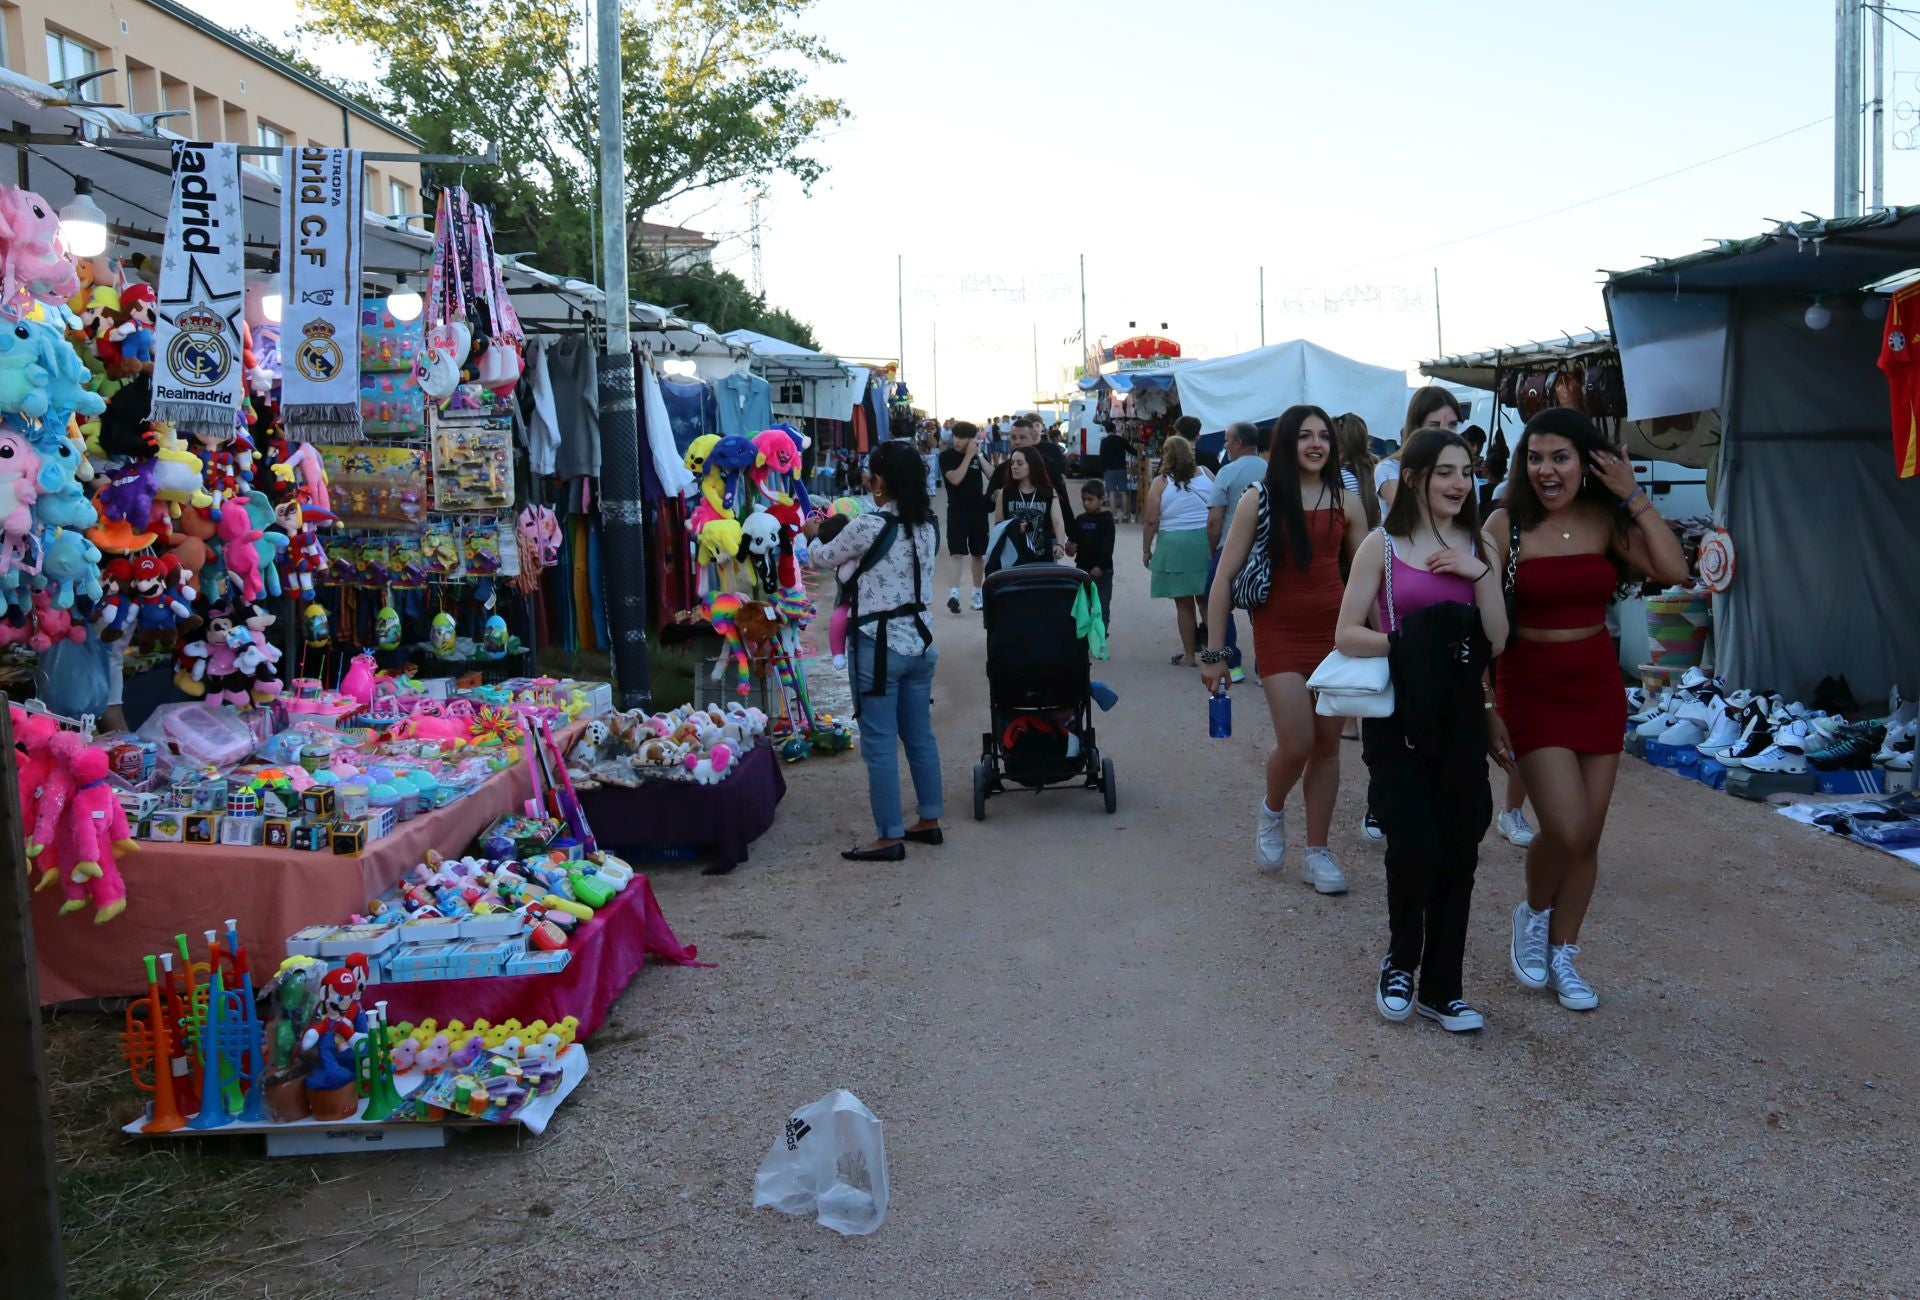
column 1260, row 384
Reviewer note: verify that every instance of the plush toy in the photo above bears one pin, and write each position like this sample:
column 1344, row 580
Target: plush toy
column 134, row 334
column 760, row 548
column 271, row 544
column 733, row 458
column 179, row 477
column 260, row 660
column 62, row 502
column 697, row 452
column 99, row 317
column 70, row 568
column 33, row 261
column 777, row 477
column 19, row 482
column 129, row 493
column 237, row 536
column 60, row 378
column 47, row 842
column 98, row 828
column 151, row 584
column 33, row 734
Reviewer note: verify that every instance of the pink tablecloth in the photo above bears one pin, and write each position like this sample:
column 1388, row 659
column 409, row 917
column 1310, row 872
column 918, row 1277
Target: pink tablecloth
column 175, row 888
column 608, row 952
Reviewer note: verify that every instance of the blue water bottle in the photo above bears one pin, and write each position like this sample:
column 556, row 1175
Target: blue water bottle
column 1220, row 715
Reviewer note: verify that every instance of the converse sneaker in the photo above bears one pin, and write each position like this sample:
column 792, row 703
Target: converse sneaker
column 978, row 603
column 1317, row 868
column 1456, row 1017
column 1575, row 993
column 953, row 600
column 1394, row 994
column 1527, row 952
column 1515, row 828
column 1270, row 839
column 1724, row 732
column 1370, row 827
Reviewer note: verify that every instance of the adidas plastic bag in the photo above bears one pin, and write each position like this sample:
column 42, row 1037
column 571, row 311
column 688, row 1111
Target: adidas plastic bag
column 830, row 1158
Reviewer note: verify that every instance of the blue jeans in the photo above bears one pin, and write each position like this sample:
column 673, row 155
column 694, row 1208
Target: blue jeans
column 1233, row 633
column 902, row 713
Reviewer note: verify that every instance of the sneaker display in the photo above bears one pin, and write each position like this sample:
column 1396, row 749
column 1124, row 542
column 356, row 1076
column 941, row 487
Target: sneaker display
column 953, row 600
column 1726, row 731
column 1734, row 735
column 1270, row 839
column 1778, row 759
column 1850, row 751
column 1527, row 952
column 1456, row 1017
column 1370, row 827
column 1684, row 733
column 978, row 603
column 1575, row 994
column 1514, row 827
column 1317, row 868
column 1394, row 994
column 1899, row 741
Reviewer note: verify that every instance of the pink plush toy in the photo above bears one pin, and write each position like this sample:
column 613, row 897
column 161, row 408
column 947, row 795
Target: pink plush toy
column 19, row 483
column 48, row 844
column 98, row 827
column 33, row 733
column 358, row 681
column 34, row 264
column 48, row 624
column 237, row 535
column 433, row 1057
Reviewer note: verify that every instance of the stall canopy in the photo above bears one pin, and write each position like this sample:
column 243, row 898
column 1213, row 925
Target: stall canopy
column 1260, row 384
column 1483, row 369
column 1823, row 528
column 779, row 359
column 1127, row 381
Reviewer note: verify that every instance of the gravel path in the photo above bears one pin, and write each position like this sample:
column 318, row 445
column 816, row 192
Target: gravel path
column 1115, row 1060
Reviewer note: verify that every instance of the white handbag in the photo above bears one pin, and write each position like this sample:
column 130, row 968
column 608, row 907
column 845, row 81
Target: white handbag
column 1349, row 687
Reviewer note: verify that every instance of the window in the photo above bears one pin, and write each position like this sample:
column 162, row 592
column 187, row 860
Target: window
column 272, row 137
column 67, row 57
column 398, row 204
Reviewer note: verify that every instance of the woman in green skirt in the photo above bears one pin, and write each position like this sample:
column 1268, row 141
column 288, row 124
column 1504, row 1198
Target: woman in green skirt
column 1174, row 541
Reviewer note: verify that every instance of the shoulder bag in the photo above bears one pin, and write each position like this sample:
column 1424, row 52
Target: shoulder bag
column 1348, row 687
column 1254, row 583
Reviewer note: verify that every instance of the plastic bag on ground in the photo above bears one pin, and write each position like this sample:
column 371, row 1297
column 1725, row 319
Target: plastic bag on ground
column 830, row 1158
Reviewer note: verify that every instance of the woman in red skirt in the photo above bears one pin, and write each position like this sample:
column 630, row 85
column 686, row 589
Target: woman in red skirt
column 1575, row 526
column 1313, row 529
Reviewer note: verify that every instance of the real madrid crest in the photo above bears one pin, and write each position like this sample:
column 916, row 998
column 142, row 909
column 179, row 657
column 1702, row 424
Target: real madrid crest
column 199, row 355
column 317, row 356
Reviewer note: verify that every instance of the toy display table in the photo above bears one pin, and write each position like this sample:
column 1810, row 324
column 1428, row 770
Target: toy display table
column 272, row 893
column 608, row 952
column 726, row 818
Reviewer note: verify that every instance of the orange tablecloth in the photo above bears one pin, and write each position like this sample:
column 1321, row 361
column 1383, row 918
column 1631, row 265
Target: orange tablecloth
column 175, row 888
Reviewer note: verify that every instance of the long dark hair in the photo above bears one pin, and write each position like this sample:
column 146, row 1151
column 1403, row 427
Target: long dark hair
column 1037, row 479
column 1417, row 459
column 1528, row 511
column 1289, row 533
column 899, row 466
column 1356, row 452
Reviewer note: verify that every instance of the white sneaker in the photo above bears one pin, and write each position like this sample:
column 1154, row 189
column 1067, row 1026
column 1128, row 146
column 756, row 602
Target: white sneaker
column 1393, row 996
column 1515, row 828
column 1724, row 731
column 1654, row 727
column 1457, row 1017
column 1683, row 734
column 1270, row 840
column 1527, row 952
column 1575, row 993
column 978, row 603
column 1317, row 868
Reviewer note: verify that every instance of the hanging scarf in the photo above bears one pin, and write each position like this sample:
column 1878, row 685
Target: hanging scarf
column 197, row 378
column 320, row 254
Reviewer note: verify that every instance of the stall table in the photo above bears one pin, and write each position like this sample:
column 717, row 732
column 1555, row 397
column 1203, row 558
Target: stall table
column 726, row 818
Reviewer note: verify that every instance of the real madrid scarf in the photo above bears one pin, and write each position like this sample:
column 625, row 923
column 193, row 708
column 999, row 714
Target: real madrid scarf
column 197, row 367
column 320, row 249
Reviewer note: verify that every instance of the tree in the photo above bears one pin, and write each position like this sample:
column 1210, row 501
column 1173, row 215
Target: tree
column 722, row 300
column 715, row 95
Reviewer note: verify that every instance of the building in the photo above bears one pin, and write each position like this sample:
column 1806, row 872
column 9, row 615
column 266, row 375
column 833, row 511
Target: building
column 676, row 249
column 166, row 57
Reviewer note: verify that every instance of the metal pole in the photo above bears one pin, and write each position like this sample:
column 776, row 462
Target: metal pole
column 29, row 1194
column 1086, row 344
column 1846, row 108
column 936, row 370
column 1036, row 363
column 1263, row 306
column 900, row 303
column 1879, row 102
column 622, row 510
column 1439, row 334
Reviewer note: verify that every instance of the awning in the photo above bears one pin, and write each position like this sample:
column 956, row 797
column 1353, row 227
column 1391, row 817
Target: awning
column 1816, row 256
column 1125, row 381
column 779, row 359
column 1480, row 369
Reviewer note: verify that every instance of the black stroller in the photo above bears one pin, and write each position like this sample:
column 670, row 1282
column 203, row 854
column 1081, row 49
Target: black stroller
column 1037, row 688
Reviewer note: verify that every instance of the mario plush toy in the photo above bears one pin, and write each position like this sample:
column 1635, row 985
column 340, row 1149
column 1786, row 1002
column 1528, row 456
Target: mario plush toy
column 338, row 1023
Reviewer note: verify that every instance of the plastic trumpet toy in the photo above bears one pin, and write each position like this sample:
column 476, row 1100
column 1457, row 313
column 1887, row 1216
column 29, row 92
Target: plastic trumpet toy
column 149, row 1052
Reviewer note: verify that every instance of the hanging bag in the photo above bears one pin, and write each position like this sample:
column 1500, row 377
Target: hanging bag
column 1349, row 687
column 1254, row 583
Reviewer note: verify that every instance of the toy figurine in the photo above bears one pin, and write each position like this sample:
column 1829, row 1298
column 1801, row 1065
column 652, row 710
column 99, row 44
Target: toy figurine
column 441, row 635
column 338, row 1024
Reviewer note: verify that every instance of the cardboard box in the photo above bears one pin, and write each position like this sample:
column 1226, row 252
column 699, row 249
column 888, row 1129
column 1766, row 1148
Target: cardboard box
column 317, row 802
column 168, row 826
column 427, row 961
column 277, row 832
column 243, row 831
column 305, row 942
column 492, row 925
column 349, row 839
column 208, row 796
column 430, row 929
column 371, row 938
column 137, row 806
column 532, row 962
column 312, row 837
column 202, row 828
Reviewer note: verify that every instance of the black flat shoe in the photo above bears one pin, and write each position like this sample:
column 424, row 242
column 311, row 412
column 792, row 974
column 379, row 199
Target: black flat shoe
column 932, row 835
column 892, row 853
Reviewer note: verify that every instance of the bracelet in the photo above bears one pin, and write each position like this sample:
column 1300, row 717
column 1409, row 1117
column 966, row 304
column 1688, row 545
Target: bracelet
column 1627, row 500
column 1485, row 572
column 1213, row 656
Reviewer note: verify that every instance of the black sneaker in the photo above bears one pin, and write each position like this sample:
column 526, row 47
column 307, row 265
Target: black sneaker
column 1394, row 997
column 1456, row 1017
column 1370, row 827
column 1851, row 751
column 953, row 600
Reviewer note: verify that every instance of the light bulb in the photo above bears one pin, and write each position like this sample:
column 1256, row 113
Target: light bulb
column 1818, row 316
column 403, row 304
column 83, row 226
column 272, row 301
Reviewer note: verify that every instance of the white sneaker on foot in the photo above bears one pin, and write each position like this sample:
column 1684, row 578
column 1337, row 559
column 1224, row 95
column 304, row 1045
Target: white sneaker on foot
column 1393, row 996
column 1317, row 868
column 1527, row 952
column 1575, row 993
column 978, row 601
column 1514, row 827
column 1270, row 839
column 1456, row 1017
column 953, row 599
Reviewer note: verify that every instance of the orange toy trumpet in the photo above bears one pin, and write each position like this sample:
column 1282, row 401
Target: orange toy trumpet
column 149, row 1049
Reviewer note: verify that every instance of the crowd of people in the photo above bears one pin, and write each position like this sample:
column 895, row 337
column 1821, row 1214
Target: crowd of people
column 1476, row 578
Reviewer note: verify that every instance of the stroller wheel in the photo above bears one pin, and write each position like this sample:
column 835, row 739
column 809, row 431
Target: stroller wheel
column 1108, row 786
column 980, row 792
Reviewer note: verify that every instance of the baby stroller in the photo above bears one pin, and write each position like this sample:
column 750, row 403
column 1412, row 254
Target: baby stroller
column 1037, row 688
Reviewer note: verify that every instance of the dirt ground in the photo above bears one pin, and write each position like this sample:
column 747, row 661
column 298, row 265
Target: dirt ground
column 1115, row 1060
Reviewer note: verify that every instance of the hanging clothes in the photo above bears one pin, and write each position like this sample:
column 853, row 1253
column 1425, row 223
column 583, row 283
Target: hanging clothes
column 537, row 408
column 691, row 410
column 665, row 456
column 876, row 408
column 573, row 370
column 745, row 403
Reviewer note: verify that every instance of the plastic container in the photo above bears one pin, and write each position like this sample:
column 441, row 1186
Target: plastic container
column 1220, row 715
column 353, row 801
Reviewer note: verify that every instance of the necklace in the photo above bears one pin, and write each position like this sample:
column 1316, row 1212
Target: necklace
column 1566, row 537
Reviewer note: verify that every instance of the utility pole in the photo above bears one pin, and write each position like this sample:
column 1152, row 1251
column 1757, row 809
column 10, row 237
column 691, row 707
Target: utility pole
column 1036, row 363
column 936, row 370
column 1263, row 306
column 622, row 510
column 1439, row 334
column 29, row 1196
column 1086, row 344
column 1879, row 102
column 1846, row 108
column 900, row 303
column 759, row 277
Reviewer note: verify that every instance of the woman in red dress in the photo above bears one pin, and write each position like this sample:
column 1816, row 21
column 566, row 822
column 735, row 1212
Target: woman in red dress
column 1582, row 528
column 1313, row 529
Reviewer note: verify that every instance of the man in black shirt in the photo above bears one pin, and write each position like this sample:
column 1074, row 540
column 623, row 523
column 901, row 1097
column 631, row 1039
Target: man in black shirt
column 967, row 509
column 1114, row 453
column 1025, row 434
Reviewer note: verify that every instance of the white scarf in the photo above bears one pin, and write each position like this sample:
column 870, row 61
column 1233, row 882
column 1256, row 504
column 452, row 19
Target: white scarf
column 197, row 359
column 320, row 253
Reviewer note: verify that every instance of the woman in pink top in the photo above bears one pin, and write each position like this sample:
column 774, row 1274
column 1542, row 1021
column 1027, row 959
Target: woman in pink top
column 1423, row 592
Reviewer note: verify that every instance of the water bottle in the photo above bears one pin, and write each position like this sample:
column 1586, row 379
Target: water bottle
column 1219, row 715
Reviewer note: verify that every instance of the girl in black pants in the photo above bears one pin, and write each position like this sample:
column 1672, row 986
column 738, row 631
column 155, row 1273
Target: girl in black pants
column 1423, row 594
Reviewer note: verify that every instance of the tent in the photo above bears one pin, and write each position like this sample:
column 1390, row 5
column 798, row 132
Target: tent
column 1824, row 530
column 1260, row 384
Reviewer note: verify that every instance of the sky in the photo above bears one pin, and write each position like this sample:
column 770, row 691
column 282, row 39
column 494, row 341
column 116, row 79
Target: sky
column 1352, row 151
